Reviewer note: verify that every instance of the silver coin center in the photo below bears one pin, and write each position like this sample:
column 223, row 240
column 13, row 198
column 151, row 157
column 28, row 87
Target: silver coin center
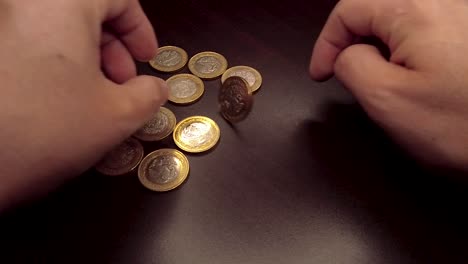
column 196, row 134
column 246, row 75
column 163, row 169
column 183, row 88
column 207, row 64
column 156, row 125
column 169, row 58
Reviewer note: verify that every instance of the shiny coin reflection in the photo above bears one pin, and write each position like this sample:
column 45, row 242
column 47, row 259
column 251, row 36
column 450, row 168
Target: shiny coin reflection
column 158, row 127
column 169, row 59
column 196, row 134
column 234, row 99
column 208, row 65
column 122, row 159
column 249, row 74
column 163, row 170
column 185, row 88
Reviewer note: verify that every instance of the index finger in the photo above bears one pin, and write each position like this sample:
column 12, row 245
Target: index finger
column 129, row 23
column 349, row 19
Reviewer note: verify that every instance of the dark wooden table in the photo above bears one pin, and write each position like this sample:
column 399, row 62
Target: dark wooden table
column 307, row 178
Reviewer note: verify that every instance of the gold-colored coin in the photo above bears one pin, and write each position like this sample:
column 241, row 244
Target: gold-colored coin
column 169, row 59
column 163, row 170
column 158, row 127
column 122, row 159
column 196, row 134
column 251, row 75
column 208, row 65
column 185, row 88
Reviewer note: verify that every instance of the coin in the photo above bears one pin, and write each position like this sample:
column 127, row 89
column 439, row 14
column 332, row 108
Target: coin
column 251, row 75
column 122, row 159
column 196, row 134
column 163, row 170
column 208, row 65
column 169, row 59
column 158, row 127
column 234, row 99
column 185, row 88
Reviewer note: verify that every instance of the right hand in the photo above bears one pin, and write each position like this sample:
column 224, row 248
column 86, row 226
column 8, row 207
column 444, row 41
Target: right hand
column 420, row 96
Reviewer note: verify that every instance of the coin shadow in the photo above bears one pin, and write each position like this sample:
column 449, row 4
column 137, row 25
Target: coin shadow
column 374, row 176
column 233, row 126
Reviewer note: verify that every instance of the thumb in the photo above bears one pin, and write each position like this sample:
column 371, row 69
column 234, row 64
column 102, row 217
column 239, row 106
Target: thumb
column 140, row 98
column 372, row 79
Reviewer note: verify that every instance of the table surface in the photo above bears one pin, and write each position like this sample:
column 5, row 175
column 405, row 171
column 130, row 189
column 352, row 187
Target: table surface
column 307, row 178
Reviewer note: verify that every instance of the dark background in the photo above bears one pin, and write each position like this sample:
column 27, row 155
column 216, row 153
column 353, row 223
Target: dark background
column 307, row 178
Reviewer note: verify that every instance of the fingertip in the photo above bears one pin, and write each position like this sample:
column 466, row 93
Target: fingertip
column 164, row 89
column 323, row 59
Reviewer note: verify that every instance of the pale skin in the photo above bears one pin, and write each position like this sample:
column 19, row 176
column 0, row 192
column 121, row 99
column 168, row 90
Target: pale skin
column 70, row 92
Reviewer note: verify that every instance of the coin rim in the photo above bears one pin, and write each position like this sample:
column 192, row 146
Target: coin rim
column 181, row 177
column 258, row 77
column 154, row 137
column 235, row 120
column 187, row 120
column 192, row 99
column 171, row 68
column 127, row 169
column 191, row 65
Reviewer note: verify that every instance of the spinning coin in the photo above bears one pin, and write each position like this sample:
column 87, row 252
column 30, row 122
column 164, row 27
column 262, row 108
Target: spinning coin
column 234, row 99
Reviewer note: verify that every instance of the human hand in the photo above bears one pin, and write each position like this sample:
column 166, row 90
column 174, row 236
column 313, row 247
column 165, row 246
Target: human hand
column 59, row 111
column 419, row 95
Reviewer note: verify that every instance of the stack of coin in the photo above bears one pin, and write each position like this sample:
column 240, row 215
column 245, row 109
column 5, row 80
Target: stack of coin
column 166, row 169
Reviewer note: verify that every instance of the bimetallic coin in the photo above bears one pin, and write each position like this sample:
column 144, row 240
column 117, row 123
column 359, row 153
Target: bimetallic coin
column 163, row 170
column 196, row 134
column 169, row 59
column 185, row 88
column 234, row 99
column 122, row 159
column 251, row 75
column 208, row 65
column 158, row 127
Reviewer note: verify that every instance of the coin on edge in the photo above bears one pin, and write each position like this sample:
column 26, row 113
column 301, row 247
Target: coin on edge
column 196, row 134
column 163, row 170
column 234, row 99
column 169, row 59
column 185, row 88
column 208, row 65
column 251, row 75
column 122, row 159
column 161, row 125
